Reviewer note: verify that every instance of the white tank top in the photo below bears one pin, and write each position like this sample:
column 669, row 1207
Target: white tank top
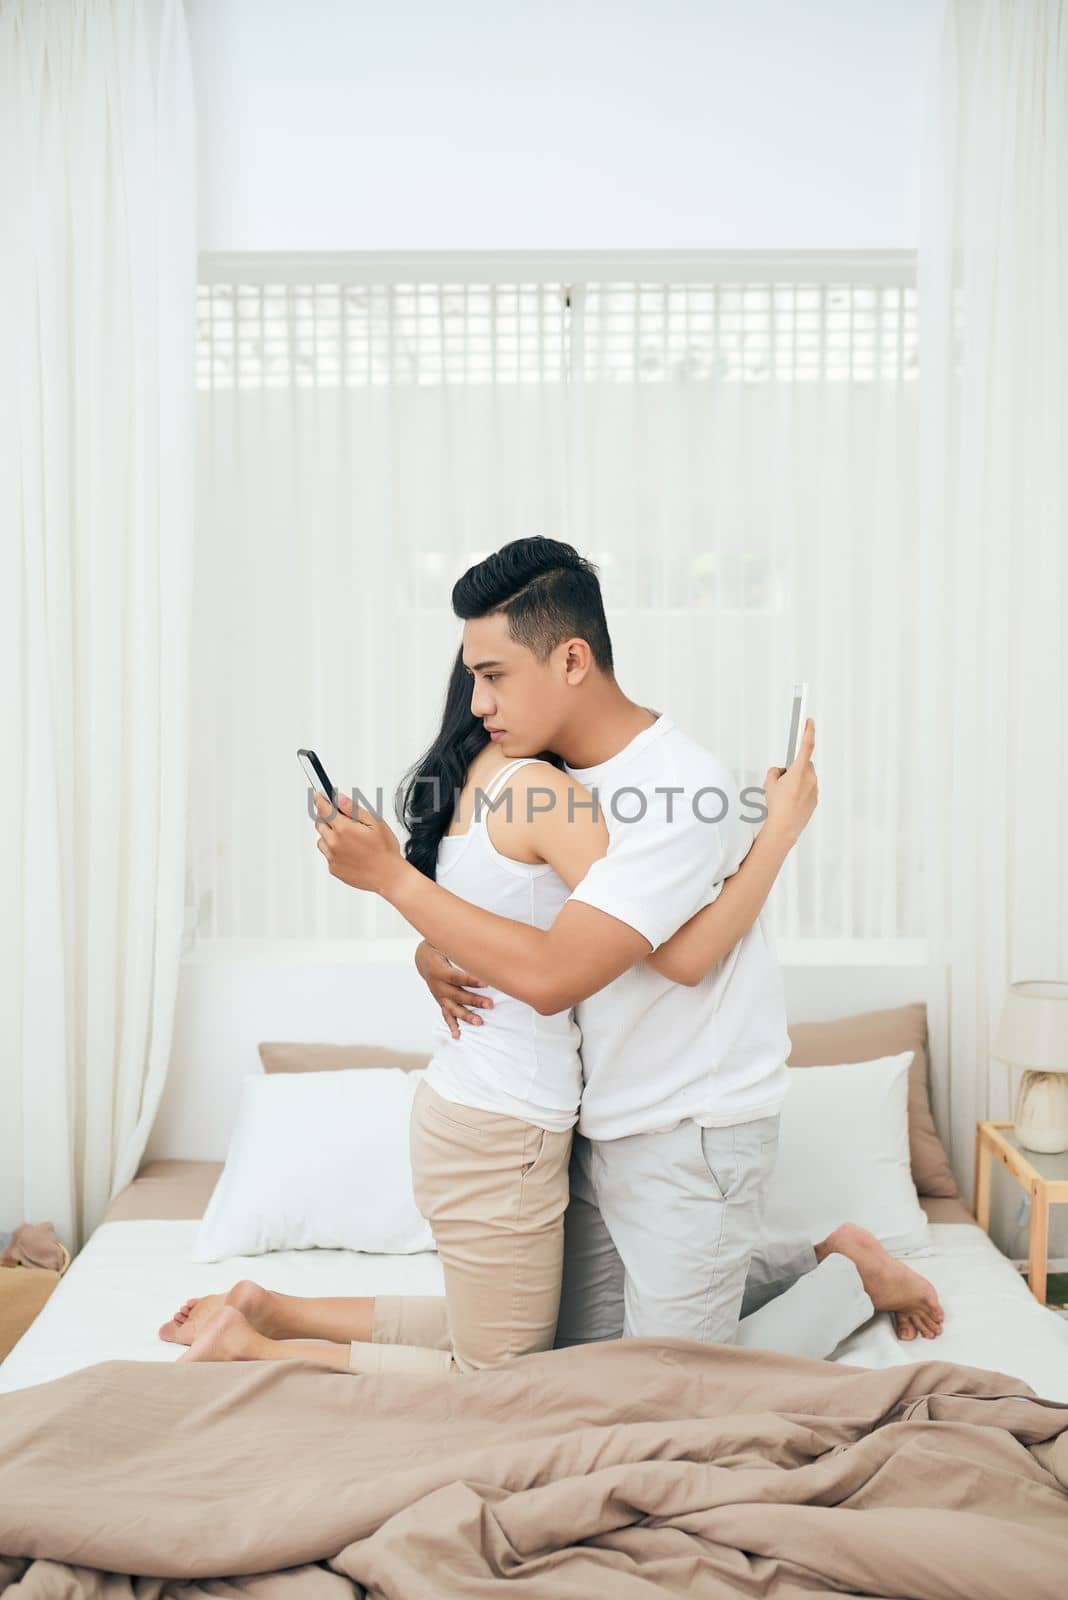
column 518, row 1062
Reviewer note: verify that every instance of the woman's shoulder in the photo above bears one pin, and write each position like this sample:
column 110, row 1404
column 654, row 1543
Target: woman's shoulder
column 556, row 810
column 530, row 784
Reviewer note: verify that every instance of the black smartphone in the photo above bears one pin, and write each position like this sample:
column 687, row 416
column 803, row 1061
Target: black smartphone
column 316, row 775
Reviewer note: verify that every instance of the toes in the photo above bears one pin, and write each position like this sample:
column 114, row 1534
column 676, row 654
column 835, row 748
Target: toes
column 906, row 1328
column 169, row 1332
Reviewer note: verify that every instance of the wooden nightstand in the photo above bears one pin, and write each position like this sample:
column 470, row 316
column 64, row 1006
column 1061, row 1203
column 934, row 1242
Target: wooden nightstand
column 1044, row 1177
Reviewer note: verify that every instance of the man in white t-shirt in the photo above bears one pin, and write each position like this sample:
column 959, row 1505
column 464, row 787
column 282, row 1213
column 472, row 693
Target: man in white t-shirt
column 678, row 1123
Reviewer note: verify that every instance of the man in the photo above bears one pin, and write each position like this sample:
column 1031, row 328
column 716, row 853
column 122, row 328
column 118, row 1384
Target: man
column 683, row 1084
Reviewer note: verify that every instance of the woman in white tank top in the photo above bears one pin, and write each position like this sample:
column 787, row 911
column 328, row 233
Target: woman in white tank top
column 493, row 1117
column 524, row 1065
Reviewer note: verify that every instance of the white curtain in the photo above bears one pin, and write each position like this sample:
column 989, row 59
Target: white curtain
column 731, row 439
column 746, row 446
column 360, row 445
column 993, row 296
column 96, row 485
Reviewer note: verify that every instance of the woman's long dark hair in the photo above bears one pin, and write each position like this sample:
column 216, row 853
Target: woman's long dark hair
column 431, row 786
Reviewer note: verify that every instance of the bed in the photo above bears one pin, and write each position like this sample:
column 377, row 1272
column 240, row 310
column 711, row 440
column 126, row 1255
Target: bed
column 637, row 1468
column 135, row 1271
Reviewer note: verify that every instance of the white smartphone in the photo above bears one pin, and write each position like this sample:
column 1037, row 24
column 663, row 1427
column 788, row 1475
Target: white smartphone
column 797, row 720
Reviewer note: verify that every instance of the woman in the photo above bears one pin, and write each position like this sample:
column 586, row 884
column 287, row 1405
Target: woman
column 493, row 1118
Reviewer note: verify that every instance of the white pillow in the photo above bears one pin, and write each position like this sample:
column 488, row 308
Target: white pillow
column 844, row 1156
column 318, row 1160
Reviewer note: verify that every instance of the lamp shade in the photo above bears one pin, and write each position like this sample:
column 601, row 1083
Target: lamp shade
column 1033, row 1031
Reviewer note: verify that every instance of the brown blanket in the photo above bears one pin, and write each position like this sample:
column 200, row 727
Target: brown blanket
column 604, row 1472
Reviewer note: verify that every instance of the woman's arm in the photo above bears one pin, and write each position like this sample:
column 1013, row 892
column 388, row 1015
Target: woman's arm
column 694, row 949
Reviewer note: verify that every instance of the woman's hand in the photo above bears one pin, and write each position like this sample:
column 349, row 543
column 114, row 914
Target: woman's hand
column 791, row 793
column 446, row 983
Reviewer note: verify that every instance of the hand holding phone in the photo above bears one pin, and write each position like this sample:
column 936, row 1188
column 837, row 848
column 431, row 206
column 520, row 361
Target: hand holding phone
column 792, row 792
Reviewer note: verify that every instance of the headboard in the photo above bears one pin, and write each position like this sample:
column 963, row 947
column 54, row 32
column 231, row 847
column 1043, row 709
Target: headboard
column 232, row 996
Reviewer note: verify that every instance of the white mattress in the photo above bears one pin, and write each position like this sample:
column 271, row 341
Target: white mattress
column 132, row 1276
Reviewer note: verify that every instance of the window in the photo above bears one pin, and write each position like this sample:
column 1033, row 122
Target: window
column 732, row 441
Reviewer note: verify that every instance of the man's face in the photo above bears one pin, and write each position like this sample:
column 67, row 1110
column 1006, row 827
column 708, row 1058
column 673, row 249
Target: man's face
column 511, row 689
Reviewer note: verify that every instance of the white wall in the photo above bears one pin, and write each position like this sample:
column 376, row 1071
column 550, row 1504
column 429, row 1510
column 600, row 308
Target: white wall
column 561, row 124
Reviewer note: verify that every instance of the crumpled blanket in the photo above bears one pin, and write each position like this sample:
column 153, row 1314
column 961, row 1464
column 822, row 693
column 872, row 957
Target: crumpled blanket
column 624, row 1471
column 34, row 1244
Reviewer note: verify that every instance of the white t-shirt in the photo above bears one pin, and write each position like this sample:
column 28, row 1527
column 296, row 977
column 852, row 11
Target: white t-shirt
column 656, row 1052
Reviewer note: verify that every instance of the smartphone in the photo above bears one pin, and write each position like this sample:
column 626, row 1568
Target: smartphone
column 797, row 721
column 316, row 775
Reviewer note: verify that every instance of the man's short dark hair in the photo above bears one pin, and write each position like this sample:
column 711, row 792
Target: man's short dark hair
column 547, row 591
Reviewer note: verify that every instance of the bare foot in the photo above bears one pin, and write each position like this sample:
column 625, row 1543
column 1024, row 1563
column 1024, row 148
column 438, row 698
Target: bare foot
column 227, row 1336
column 891, row 1285
column 255, row 1303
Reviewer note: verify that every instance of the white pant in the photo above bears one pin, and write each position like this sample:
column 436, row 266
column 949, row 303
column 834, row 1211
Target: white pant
column 663, row 1240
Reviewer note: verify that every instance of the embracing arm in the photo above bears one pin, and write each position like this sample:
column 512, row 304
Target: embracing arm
column 695, row 948
column 571, row 840
column 550, row 969
column 629, row 902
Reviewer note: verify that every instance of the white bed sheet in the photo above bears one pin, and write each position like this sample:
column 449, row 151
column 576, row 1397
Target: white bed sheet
column 131, row 1276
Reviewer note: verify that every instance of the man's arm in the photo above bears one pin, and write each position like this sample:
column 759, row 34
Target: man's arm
column 652, row 880
column 625, row 903
column 550, row 969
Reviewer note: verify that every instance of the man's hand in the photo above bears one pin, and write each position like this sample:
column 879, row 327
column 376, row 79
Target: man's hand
column 360, row 850
column 446, row 984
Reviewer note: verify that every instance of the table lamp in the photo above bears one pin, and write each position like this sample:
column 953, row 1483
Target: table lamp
column 1033, row 1033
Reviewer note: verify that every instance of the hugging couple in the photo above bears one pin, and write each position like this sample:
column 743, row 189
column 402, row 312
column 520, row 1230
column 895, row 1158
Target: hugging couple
column 593, row 1138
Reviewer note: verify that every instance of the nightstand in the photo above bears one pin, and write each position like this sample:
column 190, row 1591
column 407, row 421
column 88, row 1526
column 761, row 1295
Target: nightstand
column 1045, row 1179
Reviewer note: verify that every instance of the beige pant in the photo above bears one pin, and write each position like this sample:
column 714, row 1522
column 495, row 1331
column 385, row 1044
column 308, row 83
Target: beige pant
column 494, row 1190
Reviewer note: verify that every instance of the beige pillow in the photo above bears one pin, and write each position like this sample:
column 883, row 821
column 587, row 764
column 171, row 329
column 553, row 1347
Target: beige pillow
column 863, row 1037
column 867, row 1036
column 338, row 1057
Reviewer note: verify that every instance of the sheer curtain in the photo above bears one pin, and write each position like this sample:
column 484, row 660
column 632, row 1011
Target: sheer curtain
column 96, row 431
column 993, row 294
column 747, row 475
column 731, row 439
column 361, row 442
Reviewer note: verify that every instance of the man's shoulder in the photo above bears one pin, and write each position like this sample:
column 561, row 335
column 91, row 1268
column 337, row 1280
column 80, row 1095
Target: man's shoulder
column 681, row 760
